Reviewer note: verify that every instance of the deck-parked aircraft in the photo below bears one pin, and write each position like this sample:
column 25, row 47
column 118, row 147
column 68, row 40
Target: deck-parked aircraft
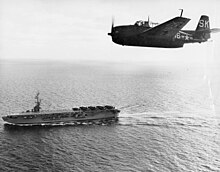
column 165, row 35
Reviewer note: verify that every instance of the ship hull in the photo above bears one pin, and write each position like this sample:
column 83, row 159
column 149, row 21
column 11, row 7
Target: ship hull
column 61, row 117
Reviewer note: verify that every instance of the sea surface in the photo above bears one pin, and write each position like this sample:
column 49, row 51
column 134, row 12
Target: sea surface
column 167, row 122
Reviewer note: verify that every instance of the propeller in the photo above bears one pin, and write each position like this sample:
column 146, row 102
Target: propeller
column 112, row 27
column 113, row 21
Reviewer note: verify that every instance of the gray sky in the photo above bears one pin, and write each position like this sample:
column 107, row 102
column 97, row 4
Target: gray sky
column 77, row 29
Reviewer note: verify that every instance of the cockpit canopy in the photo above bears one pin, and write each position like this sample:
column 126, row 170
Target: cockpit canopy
column 142, row 23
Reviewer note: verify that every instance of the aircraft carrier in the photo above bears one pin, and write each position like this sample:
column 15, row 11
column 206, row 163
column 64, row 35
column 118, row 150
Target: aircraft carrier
column 74, row 115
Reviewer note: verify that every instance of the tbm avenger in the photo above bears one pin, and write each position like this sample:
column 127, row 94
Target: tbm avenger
column 165, row 35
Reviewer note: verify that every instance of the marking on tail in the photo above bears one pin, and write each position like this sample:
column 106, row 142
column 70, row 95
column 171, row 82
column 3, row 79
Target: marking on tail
column 204, row 23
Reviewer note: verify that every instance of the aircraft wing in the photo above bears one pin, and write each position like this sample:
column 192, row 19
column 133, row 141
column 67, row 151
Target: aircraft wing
column 168, row 28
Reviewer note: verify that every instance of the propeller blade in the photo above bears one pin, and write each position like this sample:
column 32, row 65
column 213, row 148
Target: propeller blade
column 112, row 27
column 113, row 20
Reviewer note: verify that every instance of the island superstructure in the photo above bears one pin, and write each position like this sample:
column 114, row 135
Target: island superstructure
column 75, row 115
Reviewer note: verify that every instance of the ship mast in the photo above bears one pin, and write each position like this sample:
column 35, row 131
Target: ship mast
column 38, row 101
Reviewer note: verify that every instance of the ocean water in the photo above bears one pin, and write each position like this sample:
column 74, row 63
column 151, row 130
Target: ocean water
column 167, row 120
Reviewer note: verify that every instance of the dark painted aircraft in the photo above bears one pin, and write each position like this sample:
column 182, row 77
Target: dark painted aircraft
column 165, row 35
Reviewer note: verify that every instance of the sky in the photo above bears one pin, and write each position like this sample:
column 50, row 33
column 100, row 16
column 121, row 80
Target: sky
column 68, row 30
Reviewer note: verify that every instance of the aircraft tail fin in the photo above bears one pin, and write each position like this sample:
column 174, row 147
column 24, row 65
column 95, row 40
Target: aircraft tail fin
column 203, row 23
column 203, row 28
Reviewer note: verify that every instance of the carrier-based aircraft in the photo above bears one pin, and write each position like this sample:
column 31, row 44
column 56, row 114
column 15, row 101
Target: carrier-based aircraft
column 165, row 35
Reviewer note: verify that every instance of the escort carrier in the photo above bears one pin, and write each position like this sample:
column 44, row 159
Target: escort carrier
column 74, row 115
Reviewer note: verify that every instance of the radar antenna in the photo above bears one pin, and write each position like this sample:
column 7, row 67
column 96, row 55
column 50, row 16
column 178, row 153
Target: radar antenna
column 181, row 12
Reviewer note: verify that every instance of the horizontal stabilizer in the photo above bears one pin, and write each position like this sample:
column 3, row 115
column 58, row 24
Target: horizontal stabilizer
column 215, row 30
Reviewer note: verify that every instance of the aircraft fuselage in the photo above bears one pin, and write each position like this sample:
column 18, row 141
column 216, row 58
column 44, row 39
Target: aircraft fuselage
column 131, row 35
